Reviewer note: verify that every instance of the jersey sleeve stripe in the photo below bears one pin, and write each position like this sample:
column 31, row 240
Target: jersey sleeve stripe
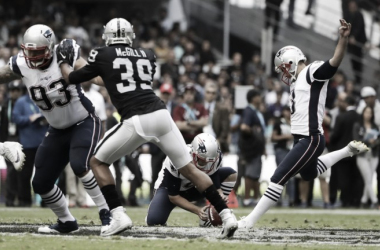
column 87, row 104
column 14, row 66
column 308, row 79
column 107, row 137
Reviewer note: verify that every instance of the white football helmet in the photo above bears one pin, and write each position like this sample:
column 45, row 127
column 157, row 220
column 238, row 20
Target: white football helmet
column 38, row 46
column 286, row 61
column 205, row 151
column 118, row 31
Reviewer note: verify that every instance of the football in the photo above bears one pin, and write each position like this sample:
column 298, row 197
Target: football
column 214, row 217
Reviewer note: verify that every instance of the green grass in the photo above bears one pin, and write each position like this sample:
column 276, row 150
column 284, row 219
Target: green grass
column 275, row 219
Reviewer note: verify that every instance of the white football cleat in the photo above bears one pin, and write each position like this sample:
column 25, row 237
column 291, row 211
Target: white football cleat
column 356, row 147
column 229, row 223
column 243, row 224
column 13, row 153
column 119, row 223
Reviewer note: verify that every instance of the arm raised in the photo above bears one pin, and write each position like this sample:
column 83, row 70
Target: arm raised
column 344, row 33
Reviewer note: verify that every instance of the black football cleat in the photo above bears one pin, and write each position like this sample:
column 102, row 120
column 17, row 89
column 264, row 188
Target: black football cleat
column 105, row 216
column 60, row 228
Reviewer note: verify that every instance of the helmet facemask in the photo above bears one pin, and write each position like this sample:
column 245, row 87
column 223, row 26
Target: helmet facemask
column 287, row 76
column 286, row 61
column 36, row 57
column 205, row 152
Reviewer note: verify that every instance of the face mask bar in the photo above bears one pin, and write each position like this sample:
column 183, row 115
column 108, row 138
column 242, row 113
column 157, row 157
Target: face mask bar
column 286, row 77
column 36, row 57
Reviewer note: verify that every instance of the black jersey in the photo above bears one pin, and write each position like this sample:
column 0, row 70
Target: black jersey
column 127, row 74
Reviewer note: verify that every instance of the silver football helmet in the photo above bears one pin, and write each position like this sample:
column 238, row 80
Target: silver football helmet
column 118, row 31
column 38, row 46
column 286, row 61
column 205, row 151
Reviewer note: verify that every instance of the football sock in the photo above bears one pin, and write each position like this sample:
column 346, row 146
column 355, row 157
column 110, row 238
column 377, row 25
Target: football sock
column 111, row 196
column 328, row 160
column 56, row 201
column 227, row 187
column 269, row 199
column 92, row 188
column 213, row 196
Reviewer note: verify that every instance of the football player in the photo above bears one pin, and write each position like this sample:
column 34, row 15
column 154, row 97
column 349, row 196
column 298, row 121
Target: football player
column 308, row 87
column 127, row 73
column 173, row 189
column 74, row 128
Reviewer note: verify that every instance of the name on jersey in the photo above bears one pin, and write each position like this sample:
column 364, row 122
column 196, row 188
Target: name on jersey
column 130, row 52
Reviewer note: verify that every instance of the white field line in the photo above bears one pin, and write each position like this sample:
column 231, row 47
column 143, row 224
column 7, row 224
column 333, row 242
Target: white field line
column 258, row 236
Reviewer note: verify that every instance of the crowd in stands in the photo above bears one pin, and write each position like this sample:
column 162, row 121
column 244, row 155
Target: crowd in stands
column 199, row 92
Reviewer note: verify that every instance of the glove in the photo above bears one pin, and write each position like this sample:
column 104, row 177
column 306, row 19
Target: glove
column 67, row 52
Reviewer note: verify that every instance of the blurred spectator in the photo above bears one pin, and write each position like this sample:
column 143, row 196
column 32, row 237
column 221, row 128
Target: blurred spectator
column 275, row 109
column 273, row 89
column 331, row 95
column 366, row 131
column 166, row 95
column 32, row 127
column 309, row 7
column 283, row 141
column 344, row 174
column 273, row 15
column 236, row 71
column 77, row 32
column 162, row 49
column 206, row 54
column 357, row 38
column 350, row 89
column 211, row 92
column 252, row 146
column 340, row 107
column 4, row 31
column 235, row 132
column 345, row 9
column 255, row 73
column 290, row 21
column 338, row 81
column 190, row 116
column 219, row 116
column 170, row 67
column 9, row 133
column 368, row 95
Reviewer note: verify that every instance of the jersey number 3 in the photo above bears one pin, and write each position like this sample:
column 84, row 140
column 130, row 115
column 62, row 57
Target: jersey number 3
column 144, row 72
column 40, row 97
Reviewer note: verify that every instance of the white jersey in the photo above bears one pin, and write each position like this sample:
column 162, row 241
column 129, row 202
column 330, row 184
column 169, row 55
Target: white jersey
column 61, row 106
column 307, row 102
column 210, row 169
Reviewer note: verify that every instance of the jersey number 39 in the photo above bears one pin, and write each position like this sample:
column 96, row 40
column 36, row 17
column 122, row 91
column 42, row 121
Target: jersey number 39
column 144, row 72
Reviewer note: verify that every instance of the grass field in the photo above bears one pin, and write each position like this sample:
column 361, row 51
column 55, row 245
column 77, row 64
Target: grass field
column 278, row 229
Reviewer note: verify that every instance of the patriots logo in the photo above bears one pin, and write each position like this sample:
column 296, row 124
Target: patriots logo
column 48, row 35
column 279, row 53
column 201, row 148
